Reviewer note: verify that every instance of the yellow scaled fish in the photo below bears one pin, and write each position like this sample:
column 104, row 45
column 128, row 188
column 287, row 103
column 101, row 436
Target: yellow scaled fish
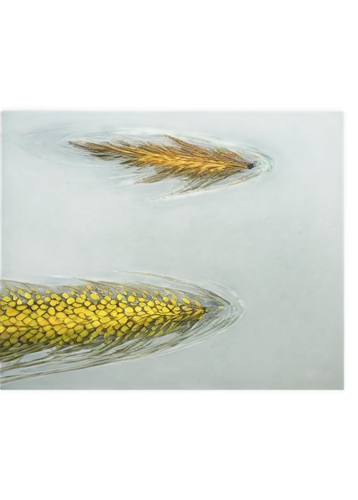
column 198, row 166
column 92, row 323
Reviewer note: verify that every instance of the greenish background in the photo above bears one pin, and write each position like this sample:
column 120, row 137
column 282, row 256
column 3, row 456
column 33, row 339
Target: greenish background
column 277, row 241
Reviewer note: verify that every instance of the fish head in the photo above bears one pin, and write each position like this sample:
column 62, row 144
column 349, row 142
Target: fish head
column 254, row 164
column 216, row 311
column 219, row 314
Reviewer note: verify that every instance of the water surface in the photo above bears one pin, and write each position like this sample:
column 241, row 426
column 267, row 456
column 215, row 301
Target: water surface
column 275, row 240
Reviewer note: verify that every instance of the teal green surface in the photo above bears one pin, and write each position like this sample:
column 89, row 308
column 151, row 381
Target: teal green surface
column 276, row 240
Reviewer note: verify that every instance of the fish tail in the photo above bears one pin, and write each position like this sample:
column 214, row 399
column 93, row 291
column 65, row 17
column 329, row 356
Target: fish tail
column 102, row 151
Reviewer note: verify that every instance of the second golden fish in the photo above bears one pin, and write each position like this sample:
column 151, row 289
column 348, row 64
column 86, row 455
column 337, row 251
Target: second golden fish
column 199, row 164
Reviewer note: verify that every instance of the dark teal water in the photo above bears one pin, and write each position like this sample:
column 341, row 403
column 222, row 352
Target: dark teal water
column 275, row 240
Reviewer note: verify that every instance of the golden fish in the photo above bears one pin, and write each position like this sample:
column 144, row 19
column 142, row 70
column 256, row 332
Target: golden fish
column 199, row 166
column 96, row 322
